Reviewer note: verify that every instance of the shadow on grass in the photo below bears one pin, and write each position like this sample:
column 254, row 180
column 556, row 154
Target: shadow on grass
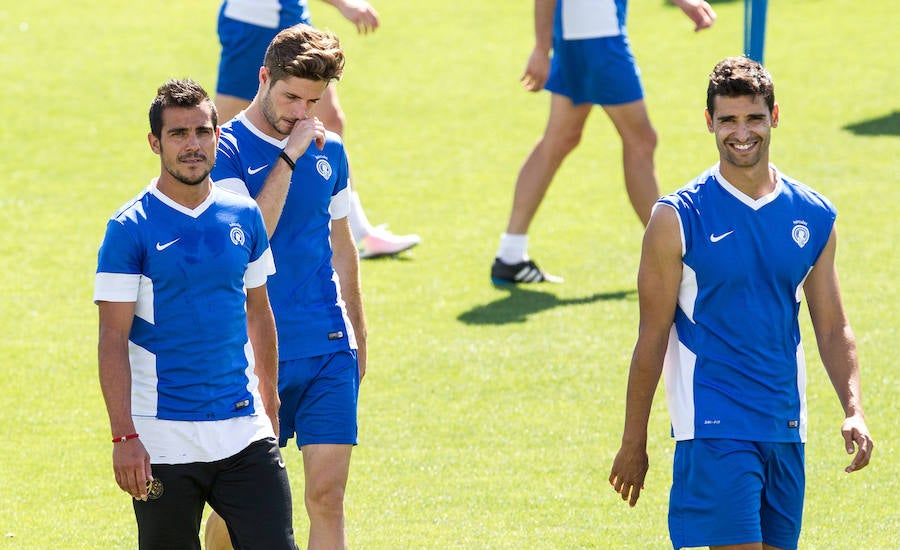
column 399, row 257
column 887, row 125
column 522, row 302
column 669, row 4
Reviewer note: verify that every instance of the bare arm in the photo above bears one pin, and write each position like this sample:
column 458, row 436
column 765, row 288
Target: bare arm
column 272, row 196
column 358, row 12
column 346, row 263
column 538, row 67
column 131, row 462
column 837, row 347
column 700, row 12
column 659, row 277
column 261, row 330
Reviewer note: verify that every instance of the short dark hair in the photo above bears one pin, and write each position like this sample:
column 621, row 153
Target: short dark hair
column 183, row 93
column 737, row 76
column 304, row 52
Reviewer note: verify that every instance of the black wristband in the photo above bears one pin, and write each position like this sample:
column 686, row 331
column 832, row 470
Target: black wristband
column 284, row 156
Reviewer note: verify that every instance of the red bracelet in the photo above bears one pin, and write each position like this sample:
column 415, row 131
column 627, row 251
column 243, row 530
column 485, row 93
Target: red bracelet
column 125, row 438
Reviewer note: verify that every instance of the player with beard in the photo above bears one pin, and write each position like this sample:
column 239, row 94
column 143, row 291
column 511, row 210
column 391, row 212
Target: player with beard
column 245, row 28
column 726, row 260
column 187, row 346
column 279, row 153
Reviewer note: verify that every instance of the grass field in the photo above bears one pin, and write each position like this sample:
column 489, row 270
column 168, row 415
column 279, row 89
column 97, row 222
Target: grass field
column 489, row 418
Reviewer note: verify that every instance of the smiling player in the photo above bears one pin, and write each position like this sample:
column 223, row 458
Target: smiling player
column 723, row 264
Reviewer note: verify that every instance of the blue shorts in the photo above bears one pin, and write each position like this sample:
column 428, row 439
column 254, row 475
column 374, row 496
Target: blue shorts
column 244, row 48
column 601, row 71
column 319, row 399
column 727, row 491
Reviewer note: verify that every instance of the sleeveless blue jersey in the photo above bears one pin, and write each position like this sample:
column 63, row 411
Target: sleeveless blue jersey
column 734, row 367
column 305, row 293
column 187, row 271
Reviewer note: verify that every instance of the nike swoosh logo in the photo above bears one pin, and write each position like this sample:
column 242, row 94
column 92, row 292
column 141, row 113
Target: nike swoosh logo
column 280, row 463
column 713, row 238
column 162, row 247
column 252, row 171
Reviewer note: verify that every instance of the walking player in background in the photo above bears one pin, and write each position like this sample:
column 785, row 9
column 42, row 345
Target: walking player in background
column 192, row 399
column 723, row 264
column 245, row 29
column 592, row 64
column 279, row 153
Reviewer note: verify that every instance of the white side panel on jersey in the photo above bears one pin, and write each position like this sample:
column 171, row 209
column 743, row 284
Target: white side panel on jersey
column 687, row 291
column 252, row 380
column 801, row 368
column 144, row 306
column 351, row 335
column 143, row 381
column 798, row 292
column 678, row 373
column 263, row 13
column 589, row 19
column 801, row 388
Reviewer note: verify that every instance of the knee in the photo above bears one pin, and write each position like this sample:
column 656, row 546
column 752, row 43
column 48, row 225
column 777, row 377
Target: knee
column 561, row 144
column 325, row 501
column 642, row 142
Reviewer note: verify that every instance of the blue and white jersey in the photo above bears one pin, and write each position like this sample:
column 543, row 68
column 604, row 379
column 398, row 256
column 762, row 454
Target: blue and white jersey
column 305, row 293
column 582, row 19
column 272, row 14
column 192, row 365
column 734, row 367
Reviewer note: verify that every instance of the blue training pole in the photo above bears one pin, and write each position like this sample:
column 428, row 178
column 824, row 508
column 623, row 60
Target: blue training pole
column 755, row 29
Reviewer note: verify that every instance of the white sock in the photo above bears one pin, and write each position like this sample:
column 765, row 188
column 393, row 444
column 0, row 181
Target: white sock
column 513, row 248
column 359, row 223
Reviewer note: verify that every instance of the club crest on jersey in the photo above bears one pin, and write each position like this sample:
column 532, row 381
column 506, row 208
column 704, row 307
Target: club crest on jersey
column 323, row 167
column 237, row 234
column 800, row 233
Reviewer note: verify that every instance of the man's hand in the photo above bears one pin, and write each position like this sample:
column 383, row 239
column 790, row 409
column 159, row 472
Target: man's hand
column 360, row 13
column 536, row 71
column 131, row 464
column 856, row 433
column 304, row 132
column 629, row 470
column 700, row 12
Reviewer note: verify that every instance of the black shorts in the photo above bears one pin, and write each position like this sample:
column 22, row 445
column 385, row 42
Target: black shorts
column 250, row 490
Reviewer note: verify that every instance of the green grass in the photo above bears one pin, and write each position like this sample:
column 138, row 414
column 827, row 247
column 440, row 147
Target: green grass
column 488, row 418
